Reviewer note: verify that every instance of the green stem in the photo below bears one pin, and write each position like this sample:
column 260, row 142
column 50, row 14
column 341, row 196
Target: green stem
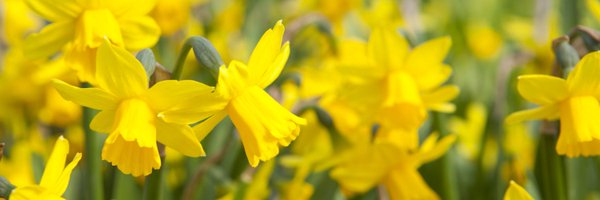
column 550, row 166
column 570, row 15
column 205, row 53
column 92, row 163
column 152, row 184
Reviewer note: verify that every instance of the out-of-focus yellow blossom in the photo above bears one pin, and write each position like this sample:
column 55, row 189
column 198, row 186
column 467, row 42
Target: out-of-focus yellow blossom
column 17, row 21
column 18, row 166
column 137, row 117
column 470, row 130
column 297, row 188
column 520, row 146
column 259, row 186
column 263, row 124
column 366, row 165
column 81, row 26
column 484, row 41
column 574, row 101
column 171, row 15
column 397, row 80
column 516, row 192
column 382, row 13
column 55, row 178
column 313, row 146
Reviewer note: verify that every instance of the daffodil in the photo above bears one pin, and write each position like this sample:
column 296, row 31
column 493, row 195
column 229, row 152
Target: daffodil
column 470, row 130
column 263, row 124
column 516, row 192
column 393, row 85
column 81, row 26
column 137, row 117
column 574, row 101
column 366, row 165
column 55, row 178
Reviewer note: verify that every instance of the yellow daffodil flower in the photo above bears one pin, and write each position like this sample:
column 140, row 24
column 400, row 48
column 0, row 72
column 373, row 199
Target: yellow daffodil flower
column 388, row 78
column 137, row 117
column 485, row 43
column 82, row 26
column 363, row 167
column 55, row 178
column 516, row 192
column 263, row 124
column 574, row 101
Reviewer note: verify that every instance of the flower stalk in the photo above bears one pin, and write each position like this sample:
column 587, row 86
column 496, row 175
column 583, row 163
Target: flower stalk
column 205, row 53
column 92, row 163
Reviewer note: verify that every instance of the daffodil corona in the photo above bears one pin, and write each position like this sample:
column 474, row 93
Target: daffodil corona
column 55, row 178
column 137, row 117
column 263, row 124
column 80, row 26
column 574, row 101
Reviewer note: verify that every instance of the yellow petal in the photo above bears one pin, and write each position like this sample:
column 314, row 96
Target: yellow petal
column 180, row 138
column 104, row 121
column 184, row 102
column 33, row 192
column 89, row 97
column 129, row 157
column 437, row 99
column 583, row 80
column 139, row 32
column 128, row 8
column 63, row 181
column 94, row 26
column 119, row 72
column 516, row 192
column 367, row 167
column 407, row 183
column 83, row 60
column 135, row 121
column 542, row 89
column 49, row 40
column 429, row 53
column 545, row 112
column 56, row 163
column 207, row 125
column 578, row 121
column 262, row 133
column 269, row 57
column 387, row 48
column 55, row 10
column 432, row 150
column 425, row 62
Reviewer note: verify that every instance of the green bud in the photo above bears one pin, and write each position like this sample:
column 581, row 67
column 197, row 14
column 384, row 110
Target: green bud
column 5, row 188
column 566, row 55
column 205, row 54
column 146, row 57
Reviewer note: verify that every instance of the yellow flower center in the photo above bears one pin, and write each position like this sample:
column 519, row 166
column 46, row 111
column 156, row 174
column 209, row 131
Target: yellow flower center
column 93, row 25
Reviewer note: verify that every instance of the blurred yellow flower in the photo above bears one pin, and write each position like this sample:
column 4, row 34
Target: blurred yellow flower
column 55, row 178
column 263, row 124
column 362, row 167
column 470, row 130
column 516, row 192
column 82, row 25
column 484, row 42
column 574, row 101
column 137, row 117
